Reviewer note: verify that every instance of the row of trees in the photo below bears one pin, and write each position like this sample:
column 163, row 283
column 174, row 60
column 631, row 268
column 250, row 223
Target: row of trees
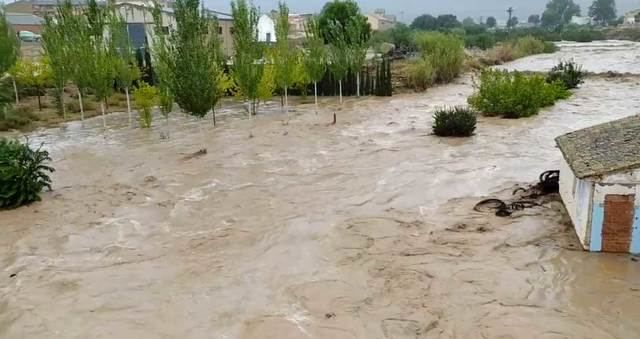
column 556, row 13
column 92, row 51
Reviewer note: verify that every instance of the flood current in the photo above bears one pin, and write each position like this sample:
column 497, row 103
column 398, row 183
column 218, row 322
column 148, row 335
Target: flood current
column 364, row 229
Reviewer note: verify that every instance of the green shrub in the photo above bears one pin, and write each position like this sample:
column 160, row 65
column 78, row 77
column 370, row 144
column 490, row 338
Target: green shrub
column 528, row 46
column 23, row 173
column 419, row 74
column 483, row 41
column 514, row 95
column 568, row 73
column 582, row 35
column 145, row 97
column 445, row 52
column 454, row 122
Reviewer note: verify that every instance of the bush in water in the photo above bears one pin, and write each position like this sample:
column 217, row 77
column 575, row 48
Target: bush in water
column 454, row 122
column 23, row 173
column 445, row 52
column 145, row 97
column 514, row 95
column 567, row 72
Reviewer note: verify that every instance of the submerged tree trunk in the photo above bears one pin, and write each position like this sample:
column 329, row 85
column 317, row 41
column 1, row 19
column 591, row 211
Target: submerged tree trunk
column 166, row 117
column 213, row 115
column 64, row 109
column 340, row 85
column 126, row 92
column 315, row 93
column 202, row 135
column 81, row 105
column 15, row 90
column 358, row 84
column 286, row 102
column 39, row 102
column 104, row 117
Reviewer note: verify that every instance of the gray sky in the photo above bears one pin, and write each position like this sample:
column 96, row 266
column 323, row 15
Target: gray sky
column 409, row 9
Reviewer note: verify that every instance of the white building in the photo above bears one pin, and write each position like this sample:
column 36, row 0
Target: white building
column 380, row 21
column 600, row 184
column 632, row 17
column 266, row 29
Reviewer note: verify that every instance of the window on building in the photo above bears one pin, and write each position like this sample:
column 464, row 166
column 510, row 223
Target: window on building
column 219, row 29
column 268, row 37
column 165, row 30
column 231, row 30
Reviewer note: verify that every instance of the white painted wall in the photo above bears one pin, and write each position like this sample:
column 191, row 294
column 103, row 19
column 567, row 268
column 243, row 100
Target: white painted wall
column 266, row 28
column 576, row 196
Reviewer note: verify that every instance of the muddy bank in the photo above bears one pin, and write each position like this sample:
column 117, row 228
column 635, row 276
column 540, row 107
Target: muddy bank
column 360, row 230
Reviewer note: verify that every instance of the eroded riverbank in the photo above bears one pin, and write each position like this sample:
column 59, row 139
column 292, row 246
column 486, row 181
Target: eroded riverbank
column 360, row 230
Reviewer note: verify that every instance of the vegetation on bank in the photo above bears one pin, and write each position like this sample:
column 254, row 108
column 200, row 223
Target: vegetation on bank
column 456, row 121
column 24, row 173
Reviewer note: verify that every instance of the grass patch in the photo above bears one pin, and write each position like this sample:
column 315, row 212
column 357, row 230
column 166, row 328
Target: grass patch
column 445, row 53
column 514, row 94
column 454, row 122
column 73, row 106
column 419, row 74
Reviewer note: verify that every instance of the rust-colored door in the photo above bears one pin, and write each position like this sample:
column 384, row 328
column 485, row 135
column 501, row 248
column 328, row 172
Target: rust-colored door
column 618, row 222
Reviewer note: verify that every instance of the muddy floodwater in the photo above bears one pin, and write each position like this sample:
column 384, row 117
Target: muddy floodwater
column 363, row 230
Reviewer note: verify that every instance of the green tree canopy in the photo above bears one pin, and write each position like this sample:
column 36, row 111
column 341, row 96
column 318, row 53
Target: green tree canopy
column 603, row 11
column 425, row 22
column 559, row 12
column 198, row 57
column 9, row 45
column 491, row 22
column 341, row 12
column 468, row 21
column 447, row 21
column 534, row 19
column 513, row 22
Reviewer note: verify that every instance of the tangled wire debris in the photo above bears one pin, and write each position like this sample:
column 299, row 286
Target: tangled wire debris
column 549, row 183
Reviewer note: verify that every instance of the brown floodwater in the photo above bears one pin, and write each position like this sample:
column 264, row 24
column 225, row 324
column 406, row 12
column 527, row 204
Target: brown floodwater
column 363, row 229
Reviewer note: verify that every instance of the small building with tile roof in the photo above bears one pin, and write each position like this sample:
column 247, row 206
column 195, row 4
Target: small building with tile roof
column 600, row 184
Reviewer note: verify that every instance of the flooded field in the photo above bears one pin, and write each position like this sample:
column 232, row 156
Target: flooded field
column 364, row 229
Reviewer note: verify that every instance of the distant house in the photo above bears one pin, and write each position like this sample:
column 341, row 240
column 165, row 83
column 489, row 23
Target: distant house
column 581, row 20
column 41, row 8
column 632, row 17
column 25, row 22
column 380, row 21
column 266, row 29
column 296, row 25
column 600, row 184
column 140, row 25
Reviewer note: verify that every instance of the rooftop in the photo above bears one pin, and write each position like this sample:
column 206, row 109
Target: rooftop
column 602, row 149
column 24, row 19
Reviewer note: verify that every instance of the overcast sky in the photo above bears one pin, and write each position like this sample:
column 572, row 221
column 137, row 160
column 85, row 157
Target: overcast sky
column 406, row 10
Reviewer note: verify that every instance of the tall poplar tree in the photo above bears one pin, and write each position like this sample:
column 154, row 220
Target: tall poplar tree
column 285, row 55
column 196, row 64
column 315, row 60
column 338, row 54
column 248, row 63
